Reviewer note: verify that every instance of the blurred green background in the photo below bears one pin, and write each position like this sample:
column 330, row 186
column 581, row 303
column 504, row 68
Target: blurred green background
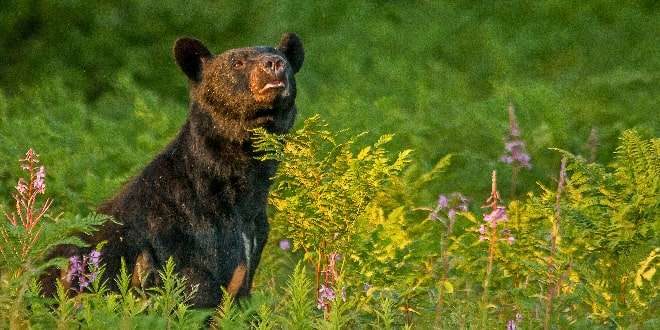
column 92, row 86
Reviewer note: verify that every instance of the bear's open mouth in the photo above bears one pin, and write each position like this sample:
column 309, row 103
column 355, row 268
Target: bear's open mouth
column 275, row 84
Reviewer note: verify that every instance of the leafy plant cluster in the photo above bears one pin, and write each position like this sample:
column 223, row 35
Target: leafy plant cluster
column 582, row 254
column 362, row 254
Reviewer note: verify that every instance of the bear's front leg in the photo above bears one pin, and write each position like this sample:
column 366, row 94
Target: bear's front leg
column 144, row 272
column 261, row 229
column 192, row 259
column 207, row 290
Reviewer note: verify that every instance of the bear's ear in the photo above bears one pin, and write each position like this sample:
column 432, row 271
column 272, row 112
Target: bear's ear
column 292, row 47
column 188, row 53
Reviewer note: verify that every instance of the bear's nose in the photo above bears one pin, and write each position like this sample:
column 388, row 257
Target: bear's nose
column 273, row 64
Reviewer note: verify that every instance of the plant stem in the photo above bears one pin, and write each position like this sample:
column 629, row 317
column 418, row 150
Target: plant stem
column 492, row 242
column 514, row 180
column 491, row 202
column 553, row 282
column 318, row 272
column 444, row 275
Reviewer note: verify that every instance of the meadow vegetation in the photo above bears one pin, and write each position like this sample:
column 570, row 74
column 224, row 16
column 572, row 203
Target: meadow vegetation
column 508, row 174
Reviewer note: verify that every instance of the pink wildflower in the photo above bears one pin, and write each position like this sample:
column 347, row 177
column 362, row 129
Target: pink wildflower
column 39, row 183
column 285, row 244
column 497, row 215
column 326, row 296
column 514, row 146
column 84, row 270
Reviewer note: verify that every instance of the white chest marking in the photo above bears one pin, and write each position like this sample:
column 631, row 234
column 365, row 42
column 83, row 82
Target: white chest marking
column 248, row 249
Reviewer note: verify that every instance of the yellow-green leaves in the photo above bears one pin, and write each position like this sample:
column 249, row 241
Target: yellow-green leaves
column 323, row 188
column 647, row 268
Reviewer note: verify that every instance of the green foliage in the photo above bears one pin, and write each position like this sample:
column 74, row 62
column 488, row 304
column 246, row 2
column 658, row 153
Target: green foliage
column 368, row 67
column 385, row 316
column 299, row 312
column 24, row 257
column 613, row 226
column 107, row 98
column 601, row 273
column 170, row 300
column 164, row 307
column 323, row 188
column 607, row 234
column 227, row 314
column 131, row 305
column 99, row 145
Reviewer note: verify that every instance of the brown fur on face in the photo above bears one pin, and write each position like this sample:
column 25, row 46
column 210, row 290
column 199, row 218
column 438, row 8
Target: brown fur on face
column 245, row 88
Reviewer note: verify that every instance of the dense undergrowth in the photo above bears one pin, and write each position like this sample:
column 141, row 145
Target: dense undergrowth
column 363, row 236
column 583, row 255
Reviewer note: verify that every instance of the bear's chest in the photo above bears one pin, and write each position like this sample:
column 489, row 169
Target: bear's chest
column 224, row 243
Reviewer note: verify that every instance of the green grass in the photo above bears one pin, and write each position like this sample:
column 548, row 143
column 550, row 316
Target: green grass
column 438, row 75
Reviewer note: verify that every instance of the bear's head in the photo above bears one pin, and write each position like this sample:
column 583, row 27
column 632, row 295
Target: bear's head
column 243, row 88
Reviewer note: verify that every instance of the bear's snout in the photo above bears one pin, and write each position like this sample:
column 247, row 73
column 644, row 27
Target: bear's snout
column 269, row 79
column 273, row 64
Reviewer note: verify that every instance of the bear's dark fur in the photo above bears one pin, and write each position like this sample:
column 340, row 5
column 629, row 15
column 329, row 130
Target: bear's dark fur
column 202, row 201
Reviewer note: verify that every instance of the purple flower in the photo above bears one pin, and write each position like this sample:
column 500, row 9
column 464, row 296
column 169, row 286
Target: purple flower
column 451, row 204
column 506, row 159
column 513, row 145
column 84, row 271
column 75, row 269
column 451, row 214
column 516, row 154
column 443, row 202
column 497, row 215
column 515, row 148
column 522, row 158
column 285, row 244
column 95, row 258
column 326, row 295
column 511, row 325
column 511, row 240
column 84, row 283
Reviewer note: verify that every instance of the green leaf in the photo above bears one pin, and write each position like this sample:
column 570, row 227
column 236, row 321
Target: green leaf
column 449, row 288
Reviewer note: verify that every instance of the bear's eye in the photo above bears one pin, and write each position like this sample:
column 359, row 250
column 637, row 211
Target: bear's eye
column 238, row 64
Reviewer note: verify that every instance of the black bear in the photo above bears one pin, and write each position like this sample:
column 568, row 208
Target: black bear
column 202, row 201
